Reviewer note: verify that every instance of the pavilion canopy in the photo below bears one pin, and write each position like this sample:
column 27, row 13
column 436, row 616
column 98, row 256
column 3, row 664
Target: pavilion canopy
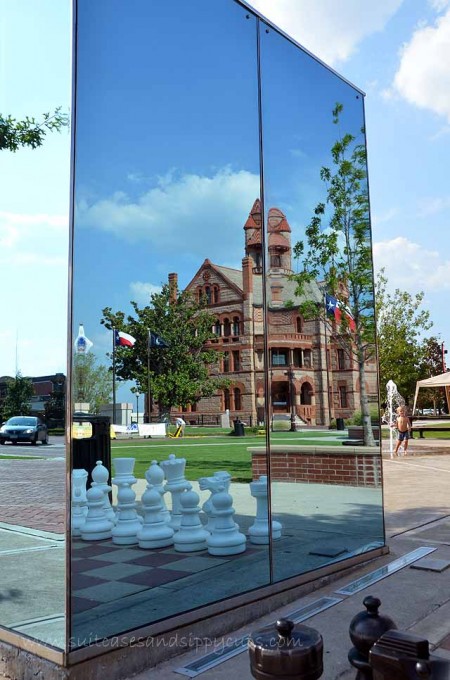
column 442, row 380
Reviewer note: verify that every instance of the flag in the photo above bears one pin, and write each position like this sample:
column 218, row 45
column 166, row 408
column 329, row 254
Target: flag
column 156, row 340
column 82, row 344
column 335, row 308
column 122, row 339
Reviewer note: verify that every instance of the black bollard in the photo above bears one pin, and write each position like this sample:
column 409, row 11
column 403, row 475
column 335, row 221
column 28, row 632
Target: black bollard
column 286, row 653
column 404, row 656
column 365, row 629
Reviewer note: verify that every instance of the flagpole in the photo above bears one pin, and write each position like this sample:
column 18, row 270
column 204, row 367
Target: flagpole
column 114, row 375
column 327, row 363
column 148, row 378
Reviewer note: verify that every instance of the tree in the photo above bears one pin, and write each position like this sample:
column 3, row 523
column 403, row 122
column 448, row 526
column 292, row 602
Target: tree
column 30, row 132
column 337, row 250
column 91, row 382
column 400, row 326
column 432, row 364
column 179, row 374
column 55, row 407
column 19, row 392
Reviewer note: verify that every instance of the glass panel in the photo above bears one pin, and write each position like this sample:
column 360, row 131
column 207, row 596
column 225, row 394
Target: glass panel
column 327, row 496
column 167, row 171
column 34, row 235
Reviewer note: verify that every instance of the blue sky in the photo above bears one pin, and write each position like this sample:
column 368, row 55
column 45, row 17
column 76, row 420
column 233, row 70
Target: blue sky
column 397, row 51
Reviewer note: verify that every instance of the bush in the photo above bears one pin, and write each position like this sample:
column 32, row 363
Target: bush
column 356, row 418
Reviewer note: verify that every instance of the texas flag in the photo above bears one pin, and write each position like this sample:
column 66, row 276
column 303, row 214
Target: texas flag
column 335, row 309
column 122, row 339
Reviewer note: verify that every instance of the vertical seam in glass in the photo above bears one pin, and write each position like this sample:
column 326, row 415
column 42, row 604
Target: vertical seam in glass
column 68, row 438
column 374, row 320
column 267, row 398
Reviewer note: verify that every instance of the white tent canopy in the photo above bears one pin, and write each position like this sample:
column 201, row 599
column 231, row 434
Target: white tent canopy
column 442, row 380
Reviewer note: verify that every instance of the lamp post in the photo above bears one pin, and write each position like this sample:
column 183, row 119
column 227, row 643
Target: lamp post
column 291, row 376
column 137, row 408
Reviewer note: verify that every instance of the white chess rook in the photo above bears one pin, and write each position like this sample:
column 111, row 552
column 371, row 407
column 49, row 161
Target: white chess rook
column 97, row 527
column 128, row 523
column 226, row 538
column 155, row 532
column 259, row 531
column 191, row 536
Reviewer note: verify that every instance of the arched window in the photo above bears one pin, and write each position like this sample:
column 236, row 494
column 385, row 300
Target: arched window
column 226, row 400
column 275, row 261
column 199, row 294
column 299, row 324
column 226, row 362
column 226, row 327
column 215, row 293
column 217, row 329
column 208, row 294
column 236, row 325
column 237, row 399
column 306, row 394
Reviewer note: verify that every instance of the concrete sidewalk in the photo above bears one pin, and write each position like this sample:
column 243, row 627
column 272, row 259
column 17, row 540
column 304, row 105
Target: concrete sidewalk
column 417, row 514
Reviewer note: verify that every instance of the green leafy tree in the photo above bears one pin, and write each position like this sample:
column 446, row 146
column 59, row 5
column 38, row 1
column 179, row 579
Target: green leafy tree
column 401, row 324
column 55, row 407
column 180, row 374
column 431, row 365
column 337, row 250
column 91, row 382
column 30, row 132
column 17, row 401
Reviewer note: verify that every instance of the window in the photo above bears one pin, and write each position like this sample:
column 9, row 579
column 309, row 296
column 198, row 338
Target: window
column 226, row 400
column 208, row 294
column 236, row 325
column 275, row 261
column 343, row 401
column 306, row 394
column 236, row 361
column 215, row 293
column 237, row 399
column 226, row 362
column 341, row 358
column 307, row 358
column 299, row 324
column 226, row 327
column 279, row 357
column 217, row 328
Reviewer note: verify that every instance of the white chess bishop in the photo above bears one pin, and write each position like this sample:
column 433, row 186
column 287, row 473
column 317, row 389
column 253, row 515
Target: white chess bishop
column 155, row 532
column 155, row 480
column 259, row 531
column 97, row 527
column 176, row 484
column 191, row 536
column 226, row 538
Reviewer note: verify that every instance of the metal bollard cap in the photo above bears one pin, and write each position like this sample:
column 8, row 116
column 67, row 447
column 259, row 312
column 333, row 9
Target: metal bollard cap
column 288, row 651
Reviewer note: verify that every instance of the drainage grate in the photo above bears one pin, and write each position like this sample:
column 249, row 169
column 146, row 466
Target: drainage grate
column 240, row 645
column 383, row 572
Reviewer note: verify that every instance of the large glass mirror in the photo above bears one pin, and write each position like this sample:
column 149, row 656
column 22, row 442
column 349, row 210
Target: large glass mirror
column 325, row 459
column 167, row 270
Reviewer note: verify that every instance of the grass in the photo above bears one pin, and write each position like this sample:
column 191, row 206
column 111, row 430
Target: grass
column 12, row 457
column 205, row 457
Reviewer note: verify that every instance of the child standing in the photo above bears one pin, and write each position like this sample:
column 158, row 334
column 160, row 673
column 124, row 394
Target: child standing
column 403, row 426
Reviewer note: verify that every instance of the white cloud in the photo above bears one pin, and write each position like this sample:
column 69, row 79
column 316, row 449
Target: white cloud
column 423, row 77
column 432, row 206
column 409, row 266
column 141, row 292
column 33, row 273
column 185, row 209
column 332, row 30
column 382, row 218
column 439, row 5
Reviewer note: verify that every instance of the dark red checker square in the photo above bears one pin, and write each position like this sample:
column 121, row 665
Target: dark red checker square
column 155, row 577
column 93, row 550
column 87, row 565
column 81, row 580
column 81, row 604
column 156, row 560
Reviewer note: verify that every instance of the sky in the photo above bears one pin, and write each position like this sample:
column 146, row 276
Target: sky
column 137, row 200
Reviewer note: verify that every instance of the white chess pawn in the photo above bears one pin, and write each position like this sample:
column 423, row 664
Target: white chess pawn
column 79, row 481
column 128, row 524
column 78, row 517
column 100, row 476
column 259, row 530
column 155, row 532
column 191, row 535
column 97, row 526
column 226, row 538
column 155, row 480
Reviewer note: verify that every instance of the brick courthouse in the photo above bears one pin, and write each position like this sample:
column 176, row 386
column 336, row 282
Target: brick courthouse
column 313, row 379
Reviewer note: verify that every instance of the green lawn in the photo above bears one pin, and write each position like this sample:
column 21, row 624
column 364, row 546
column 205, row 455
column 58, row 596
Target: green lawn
column 207, row 455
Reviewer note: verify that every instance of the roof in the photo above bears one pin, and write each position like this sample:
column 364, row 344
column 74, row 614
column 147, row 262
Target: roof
column 278, row 241
column 277, row 221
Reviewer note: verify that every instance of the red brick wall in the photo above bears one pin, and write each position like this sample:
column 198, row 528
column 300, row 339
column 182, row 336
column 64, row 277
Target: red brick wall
column 313, row 466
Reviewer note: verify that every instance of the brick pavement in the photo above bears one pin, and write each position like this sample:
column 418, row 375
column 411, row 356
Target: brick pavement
column 32, row 493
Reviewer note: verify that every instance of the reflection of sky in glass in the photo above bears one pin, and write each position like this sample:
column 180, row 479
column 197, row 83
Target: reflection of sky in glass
column 166, row 174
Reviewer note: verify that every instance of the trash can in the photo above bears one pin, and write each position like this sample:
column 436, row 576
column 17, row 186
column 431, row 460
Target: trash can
column 340, row 425
column 239, row 428
column 91, row 441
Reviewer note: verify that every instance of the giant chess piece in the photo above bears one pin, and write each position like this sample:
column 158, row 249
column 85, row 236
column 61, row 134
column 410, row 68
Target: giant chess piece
column 220, row 480
column 226, row 538
column 155, row 480
column 191, row 535
column 79, row 481
column 124, row 475
column 259, row 530
column 77, row 518
column 100, row 476
column 97, row 527
column 155, row 532
column 176, row 484
column 128, row 523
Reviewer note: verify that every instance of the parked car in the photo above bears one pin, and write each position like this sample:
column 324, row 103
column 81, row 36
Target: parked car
column 24, row 429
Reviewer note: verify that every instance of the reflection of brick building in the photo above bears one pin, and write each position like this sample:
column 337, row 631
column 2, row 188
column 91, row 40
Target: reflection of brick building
column 299, row 350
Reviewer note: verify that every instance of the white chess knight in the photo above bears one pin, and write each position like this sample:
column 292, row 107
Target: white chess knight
column 155, row 480
column 219, row 480
column 226, row 538
column 100, row 476
column 191, row 536
column 97, row 526
column 155, row 532
column 259, row 531
column 128, row 522
column 176, row 484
